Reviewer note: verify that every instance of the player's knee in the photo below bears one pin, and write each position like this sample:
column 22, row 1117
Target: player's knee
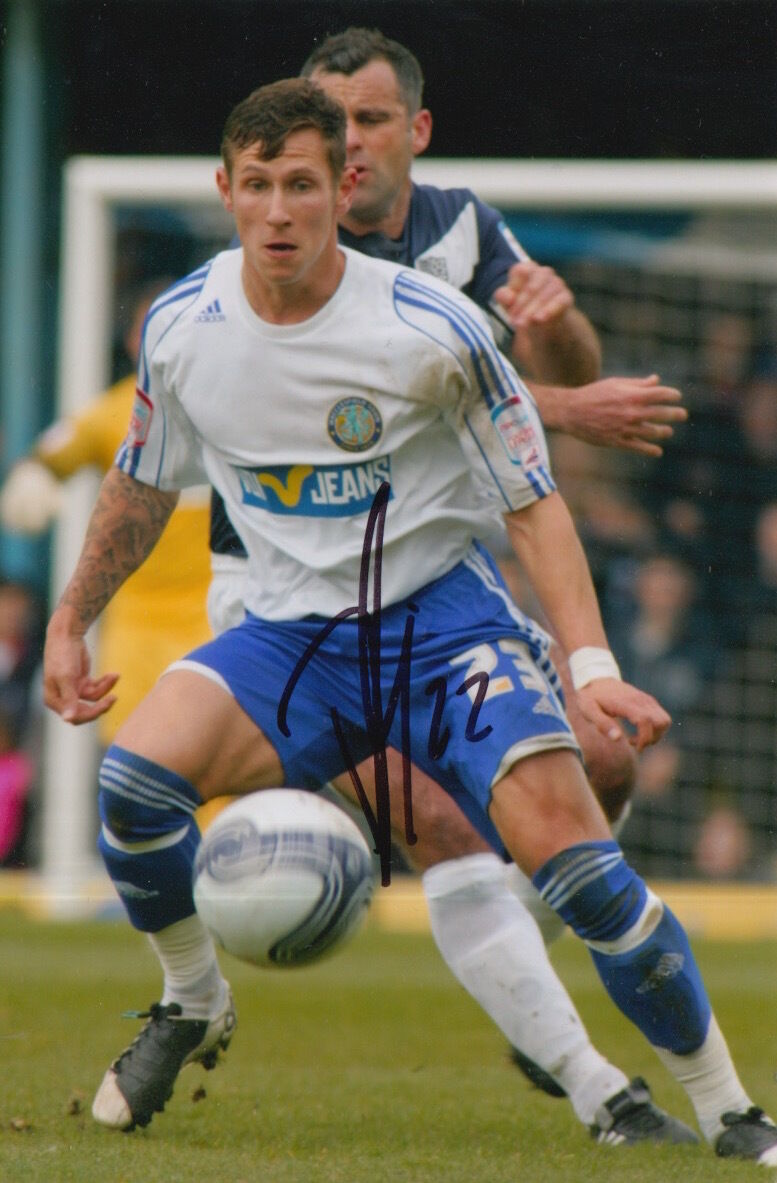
column 138, row 799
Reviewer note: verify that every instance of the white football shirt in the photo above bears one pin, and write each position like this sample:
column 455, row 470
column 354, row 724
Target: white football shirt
column 395, row 379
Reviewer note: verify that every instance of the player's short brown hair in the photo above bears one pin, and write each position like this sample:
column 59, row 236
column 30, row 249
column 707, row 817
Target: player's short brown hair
column 270, row 114
column 351, row 50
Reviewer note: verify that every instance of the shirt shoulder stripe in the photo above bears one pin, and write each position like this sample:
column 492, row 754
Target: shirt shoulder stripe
column 183, row 293
column 497, row 382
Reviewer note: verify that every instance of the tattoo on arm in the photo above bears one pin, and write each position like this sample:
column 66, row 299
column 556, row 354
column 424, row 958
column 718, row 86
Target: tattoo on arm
column 125, row 525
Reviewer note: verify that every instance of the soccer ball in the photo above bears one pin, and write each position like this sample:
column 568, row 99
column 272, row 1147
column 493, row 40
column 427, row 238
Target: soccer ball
column 282, row 877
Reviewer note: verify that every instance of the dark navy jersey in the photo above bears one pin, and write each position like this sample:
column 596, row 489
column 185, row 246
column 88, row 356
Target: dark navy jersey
column 448, row 233
column 453, row 235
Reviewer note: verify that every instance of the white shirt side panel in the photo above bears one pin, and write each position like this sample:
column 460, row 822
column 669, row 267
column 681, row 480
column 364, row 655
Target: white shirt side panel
column 456, row 254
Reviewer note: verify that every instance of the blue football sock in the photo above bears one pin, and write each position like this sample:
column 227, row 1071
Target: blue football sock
column 148, row 838
column 638, row 946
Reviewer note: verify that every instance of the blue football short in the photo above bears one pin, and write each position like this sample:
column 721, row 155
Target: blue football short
column 468, row 693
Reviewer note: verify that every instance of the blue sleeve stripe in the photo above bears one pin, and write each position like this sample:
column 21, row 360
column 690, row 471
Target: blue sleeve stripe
column 458, row 309
column 184, row 292
column 162, row 447
column 198, row 273
column 134, row 460
column 186, row 289
column 455, row 311
column 460, row 332
column 175, row 297
column 128, row 459
column 487, row 463
column 539, row 478
column 541, row 481
column 188, row 294
column 496, row 381
column 201, row 274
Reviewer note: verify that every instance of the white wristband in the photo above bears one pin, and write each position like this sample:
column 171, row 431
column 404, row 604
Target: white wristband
column 589, row 663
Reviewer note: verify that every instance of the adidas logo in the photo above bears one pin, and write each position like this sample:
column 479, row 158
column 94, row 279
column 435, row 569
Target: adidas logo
column 210, row 314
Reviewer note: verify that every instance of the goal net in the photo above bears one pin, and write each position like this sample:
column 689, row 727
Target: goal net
column 676, row 266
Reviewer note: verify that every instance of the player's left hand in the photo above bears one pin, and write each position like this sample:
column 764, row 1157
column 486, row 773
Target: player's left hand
column 605, row 701
column 533, row 295
column 635, row 414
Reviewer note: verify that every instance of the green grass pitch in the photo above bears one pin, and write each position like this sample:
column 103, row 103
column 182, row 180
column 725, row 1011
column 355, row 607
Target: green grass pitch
column 373, row 1067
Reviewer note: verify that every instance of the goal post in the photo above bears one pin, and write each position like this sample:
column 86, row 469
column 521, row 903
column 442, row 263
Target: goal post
column 95, row 188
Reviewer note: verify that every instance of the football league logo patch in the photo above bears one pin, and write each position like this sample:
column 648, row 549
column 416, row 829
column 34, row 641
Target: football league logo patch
column 515, row 430
column 140, row 421
column 354, row 424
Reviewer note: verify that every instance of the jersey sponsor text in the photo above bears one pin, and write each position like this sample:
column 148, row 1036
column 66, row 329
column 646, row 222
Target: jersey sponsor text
column 333, row 491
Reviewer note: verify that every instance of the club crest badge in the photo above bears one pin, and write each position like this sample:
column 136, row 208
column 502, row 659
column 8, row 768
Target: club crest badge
column 354, row 424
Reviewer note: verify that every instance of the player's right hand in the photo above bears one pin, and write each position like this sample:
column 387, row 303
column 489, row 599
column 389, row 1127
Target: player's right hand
column 68, row 687
column 607, row 701
column 30, row 498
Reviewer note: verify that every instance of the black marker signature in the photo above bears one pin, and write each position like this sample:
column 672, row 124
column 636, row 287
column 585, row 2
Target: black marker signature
column 378, row 722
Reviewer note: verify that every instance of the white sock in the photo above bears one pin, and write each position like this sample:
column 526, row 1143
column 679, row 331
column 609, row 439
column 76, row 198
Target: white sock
column 494, row 948
column 711, row 1081
column 549, row 923
column 616, row 827
column 192, row 973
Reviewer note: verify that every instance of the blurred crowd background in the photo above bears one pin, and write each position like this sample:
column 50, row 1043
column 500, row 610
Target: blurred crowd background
column 683, row 549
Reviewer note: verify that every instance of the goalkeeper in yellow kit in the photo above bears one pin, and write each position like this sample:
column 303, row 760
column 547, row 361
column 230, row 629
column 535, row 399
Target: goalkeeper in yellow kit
column 160, row 612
